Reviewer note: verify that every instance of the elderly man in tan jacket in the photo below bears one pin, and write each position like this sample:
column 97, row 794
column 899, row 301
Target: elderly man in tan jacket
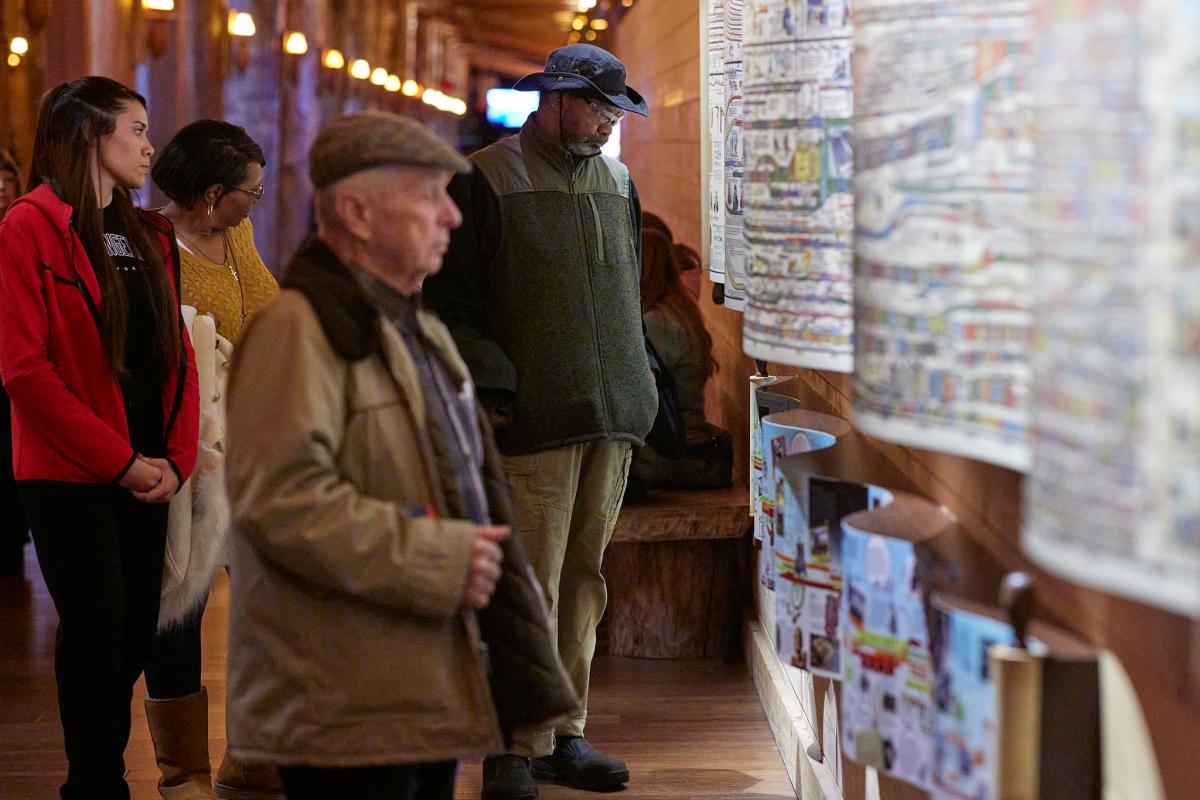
column 384, row 623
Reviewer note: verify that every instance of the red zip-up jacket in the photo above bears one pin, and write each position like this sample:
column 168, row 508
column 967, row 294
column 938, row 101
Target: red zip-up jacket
column 68, row 415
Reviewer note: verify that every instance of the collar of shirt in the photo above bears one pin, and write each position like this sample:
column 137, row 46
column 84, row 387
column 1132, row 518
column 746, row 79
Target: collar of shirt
column 401, row 311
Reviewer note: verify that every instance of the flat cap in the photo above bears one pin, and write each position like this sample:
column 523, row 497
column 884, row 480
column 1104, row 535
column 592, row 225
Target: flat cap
column 368, row 139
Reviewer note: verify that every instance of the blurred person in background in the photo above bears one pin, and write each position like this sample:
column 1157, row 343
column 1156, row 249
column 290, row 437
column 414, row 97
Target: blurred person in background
column 212, row 171
column 676, row 330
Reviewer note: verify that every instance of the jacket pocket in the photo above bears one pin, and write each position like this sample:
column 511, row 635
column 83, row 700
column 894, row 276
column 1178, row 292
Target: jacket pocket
column 597, row 227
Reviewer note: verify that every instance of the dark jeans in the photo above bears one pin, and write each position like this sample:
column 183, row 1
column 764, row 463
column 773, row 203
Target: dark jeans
column 173, row 669
column 395, row 782
column 101, row 554
column 14, row 530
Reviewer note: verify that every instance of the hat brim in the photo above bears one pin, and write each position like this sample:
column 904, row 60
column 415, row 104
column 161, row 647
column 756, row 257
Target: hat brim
column 570, row 82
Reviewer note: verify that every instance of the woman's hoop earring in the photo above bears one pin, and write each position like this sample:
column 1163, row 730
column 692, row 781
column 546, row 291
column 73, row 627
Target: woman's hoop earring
column 210, row 208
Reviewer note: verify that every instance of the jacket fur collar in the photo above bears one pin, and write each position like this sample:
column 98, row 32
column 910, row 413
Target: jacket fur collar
column 349, row 320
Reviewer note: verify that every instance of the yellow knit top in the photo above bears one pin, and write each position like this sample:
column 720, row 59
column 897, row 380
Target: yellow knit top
column 231, row 292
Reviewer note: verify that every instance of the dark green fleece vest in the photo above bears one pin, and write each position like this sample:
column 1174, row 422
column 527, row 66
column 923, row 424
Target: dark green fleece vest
column 565, row 304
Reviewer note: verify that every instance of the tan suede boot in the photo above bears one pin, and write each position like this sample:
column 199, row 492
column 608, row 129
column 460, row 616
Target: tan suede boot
column 179, row 729
column 240, row 781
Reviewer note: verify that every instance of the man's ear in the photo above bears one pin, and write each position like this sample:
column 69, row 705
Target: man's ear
column 354, row 211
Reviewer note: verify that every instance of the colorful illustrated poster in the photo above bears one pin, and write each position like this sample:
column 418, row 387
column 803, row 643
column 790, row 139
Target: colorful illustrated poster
column 715, row 166
column 965, row 702
column 762, row 402
column 734, row 146
column 887, row 702
column 799, row 203
column 943, row 171
column 779, row 440
column 1113, row 499
column 808, row 566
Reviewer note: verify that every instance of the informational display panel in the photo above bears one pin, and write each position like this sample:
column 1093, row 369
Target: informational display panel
column 734, row 190
column 964, row 702
column 715, row 167
column 807, row 551
column 799, row 203
column 887, row 676
column 942, row 170
column 1113, row 497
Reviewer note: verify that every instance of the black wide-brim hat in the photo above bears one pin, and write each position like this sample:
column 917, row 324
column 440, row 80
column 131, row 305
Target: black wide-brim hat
column 585, row 67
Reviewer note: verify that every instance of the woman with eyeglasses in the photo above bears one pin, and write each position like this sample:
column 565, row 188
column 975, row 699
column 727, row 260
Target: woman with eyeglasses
column 212, row 172
column 105, row 405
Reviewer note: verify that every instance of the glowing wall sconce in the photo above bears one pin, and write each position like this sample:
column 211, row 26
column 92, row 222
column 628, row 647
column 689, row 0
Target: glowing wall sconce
column 333, row 59
column 359, row 68
column 586, row 5
column 599, row 24
column 393, row 83
column 157, row 33
column 590, row 36
column 14, row 60
column 410, row 88
column 295, row 43
column 241, row 24
column 241, row 28
column 578, row 23
column 19, row 46
column 379, row 76
column 573, row 37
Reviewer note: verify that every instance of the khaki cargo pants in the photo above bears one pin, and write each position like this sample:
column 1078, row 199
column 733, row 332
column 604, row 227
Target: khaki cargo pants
column 567, row 501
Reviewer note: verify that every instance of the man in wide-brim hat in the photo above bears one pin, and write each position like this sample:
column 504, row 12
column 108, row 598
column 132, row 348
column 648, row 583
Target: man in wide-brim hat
column 540, row 290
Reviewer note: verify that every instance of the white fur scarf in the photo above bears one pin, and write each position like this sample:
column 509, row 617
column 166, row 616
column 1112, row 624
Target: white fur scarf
column 199, row 513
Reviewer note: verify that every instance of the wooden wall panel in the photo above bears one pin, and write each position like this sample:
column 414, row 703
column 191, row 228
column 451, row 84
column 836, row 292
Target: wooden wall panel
column 659, row 43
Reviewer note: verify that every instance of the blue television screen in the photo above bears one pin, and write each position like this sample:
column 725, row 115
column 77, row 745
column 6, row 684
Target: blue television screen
column 509, row 108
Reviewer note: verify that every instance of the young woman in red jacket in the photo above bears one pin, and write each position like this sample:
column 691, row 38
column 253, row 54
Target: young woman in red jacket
column 102, row 378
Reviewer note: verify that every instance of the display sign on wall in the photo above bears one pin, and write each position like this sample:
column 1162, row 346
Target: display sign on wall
column 733, row 185
column 943, row 168
column 1113, row 498
column 799, row 205
column 715, row 74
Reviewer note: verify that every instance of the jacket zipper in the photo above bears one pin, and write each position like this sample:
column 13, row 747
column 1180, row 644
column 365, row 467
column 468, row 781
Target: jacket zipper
column 592, row 300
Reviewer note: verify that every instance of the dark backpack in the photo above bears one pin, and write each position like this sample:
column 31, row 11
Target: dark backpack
column 668, row 436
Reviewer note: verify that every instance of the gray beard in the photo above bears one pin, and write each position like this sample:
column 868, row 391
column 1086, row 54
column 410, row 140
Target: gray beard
column 583, row 149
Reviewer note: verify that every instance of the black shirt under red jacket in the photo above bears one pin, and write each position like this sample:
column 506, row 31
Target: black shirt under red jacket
column 68, row 413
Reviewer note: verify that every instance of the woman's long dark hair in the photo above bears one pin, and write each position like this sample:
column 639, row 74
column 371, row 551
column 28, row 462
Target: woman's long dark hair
column 72, row 120
column 662, row 288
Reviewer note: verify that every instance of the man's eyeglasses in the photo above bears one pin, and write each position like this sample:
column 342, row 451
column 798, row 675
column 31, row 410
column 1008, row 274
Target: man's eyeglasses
column 611, row 117
column 256, row 192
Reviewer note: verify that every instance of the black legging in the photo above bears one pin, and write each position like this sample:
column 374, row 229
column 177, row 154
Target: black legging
column 14, row 529
column 101, row 554
column 173, row 669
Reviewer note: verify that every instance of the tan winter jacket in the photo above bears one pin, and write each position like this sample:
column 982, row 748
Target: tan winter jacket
column 348, row 645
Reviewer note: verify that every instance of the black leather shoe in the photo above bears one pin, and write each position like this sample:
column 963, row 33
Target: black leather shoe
column 507, row 778
column 579, row 765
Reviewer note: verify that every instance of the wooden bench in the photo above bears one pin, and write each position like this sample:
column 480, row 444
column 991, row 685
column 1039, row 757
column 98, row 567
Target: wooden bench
column 676, row 569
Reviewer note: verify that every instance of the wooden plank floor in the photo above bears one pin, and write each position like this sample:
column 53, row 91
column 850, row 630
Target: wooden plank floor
column 688, row 729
